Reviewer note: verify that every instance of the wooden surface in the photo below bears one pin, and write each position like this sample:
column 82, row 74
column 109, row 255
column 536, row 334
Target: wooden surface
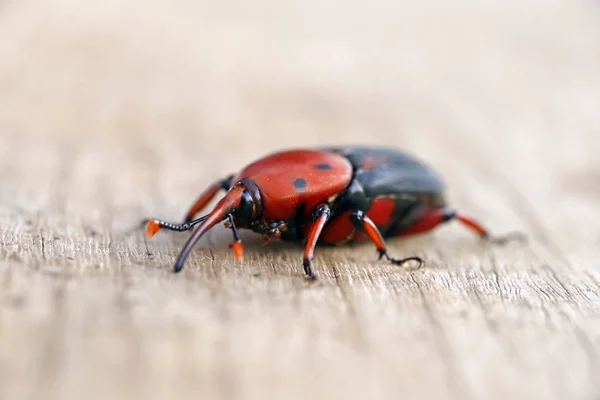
column 114, row 111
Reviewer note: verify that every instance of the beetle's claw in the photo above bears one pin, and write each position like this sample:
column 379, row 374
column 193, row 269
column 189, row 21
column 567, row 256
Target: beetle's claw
column 405, row 262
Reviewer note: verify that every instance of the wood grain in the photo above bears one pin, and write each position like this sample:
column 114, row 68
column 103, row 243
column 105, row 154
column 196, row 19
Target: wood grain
column 114, row 111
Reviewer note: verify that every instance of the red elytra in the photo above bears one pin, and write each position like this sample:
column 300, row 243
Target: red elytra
column 330, row 196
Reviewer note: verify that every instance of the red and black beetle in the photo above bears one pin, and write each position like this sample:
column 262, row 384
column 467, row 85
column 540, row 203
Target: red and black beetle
column 329, row 195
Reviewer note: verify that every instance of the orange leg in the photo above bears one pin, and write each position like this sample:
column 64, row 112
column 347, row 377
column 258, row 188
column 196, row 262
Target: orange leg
column 361, row 221
column 238, row 248
column 320, row 218
column 439, row 216
column 206, row 197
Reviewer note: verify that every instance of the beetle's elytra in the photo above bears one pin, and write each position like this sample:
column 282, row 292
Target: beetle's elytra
column 327, row 195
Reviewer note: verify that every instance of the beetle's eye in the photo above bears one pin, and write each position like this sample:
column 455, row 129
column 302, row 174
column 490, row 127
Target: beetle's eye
column 246, row 208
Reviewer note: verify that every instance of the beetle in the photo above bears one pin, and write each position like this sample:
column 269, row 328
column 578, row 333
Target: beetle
column 327, row 195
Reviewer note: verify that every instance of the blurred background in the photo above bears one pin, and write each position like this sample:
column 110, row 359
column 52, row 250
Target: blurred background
column 176, row 94
column 241, row 78
column 112, row 111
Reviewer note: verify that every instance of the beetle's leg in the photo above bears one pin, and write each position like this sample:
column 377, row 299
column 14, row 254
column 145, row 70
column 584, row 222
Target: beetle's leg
column 321, row 216
column 207, row 196
column 361, row 221
column 471, row 223
column 154, row 225
column 439, row 216
column 238, row 248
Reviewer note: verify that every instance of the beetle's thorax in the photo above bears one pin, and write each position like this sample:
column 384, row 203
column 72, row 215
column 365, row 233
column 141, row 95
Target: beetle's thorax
column 289, row 180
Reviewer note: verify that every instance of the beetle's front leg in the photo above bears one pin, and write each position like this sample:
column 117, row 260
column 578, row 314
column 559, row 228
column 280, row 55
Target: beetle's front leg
column 238, row 249
column 189, row 222
column 320, row 217
column 206, row 197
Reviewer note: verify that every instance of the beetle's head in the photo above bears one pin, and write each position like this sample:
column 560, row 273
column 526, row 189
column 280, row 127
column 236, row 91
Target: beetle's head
column 242, row 202
column 248, row 205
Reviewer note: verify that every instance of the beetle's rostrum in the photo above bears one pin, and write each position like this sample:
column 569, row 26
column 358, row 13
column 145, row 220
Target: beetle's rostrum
column 330, row 195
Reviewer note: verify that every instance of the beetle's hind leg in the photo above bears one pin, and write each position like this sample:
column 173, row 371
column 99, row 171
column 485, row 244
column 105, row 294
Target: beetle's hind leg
column 485, row 234
column 442, row 215
column 361, row 221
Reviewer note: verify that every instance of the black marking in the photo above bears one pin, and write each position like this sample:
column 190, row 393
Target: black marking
column 298, row 221
column 323, row 166
column 255, row 194
column 299, row 183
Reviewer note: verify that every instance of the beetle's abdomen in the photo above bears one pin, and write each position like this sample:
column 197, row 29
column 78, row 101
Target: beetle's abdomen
column 385, row 171
column 385, row 212
column 391, row 215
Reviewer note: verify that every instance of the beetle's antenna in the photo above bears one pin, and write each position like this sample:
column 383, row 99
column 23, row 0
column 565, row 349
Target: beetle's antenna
column 154, row 225
column 221, row 211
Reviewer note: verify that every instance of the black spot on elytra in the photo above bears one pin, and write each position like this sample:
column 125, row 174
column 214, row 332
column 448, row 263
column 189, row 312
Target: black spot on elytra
column 299, row 183
column 323, row 166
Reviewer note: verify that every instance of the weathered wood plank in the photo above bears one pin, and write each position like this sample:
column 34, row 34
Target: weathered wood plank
column 108, row 116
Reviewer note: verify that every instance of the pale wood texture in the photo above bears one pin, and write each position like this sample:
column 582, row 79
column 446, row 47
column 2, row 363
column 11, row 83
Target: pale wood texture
column 112, row 111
